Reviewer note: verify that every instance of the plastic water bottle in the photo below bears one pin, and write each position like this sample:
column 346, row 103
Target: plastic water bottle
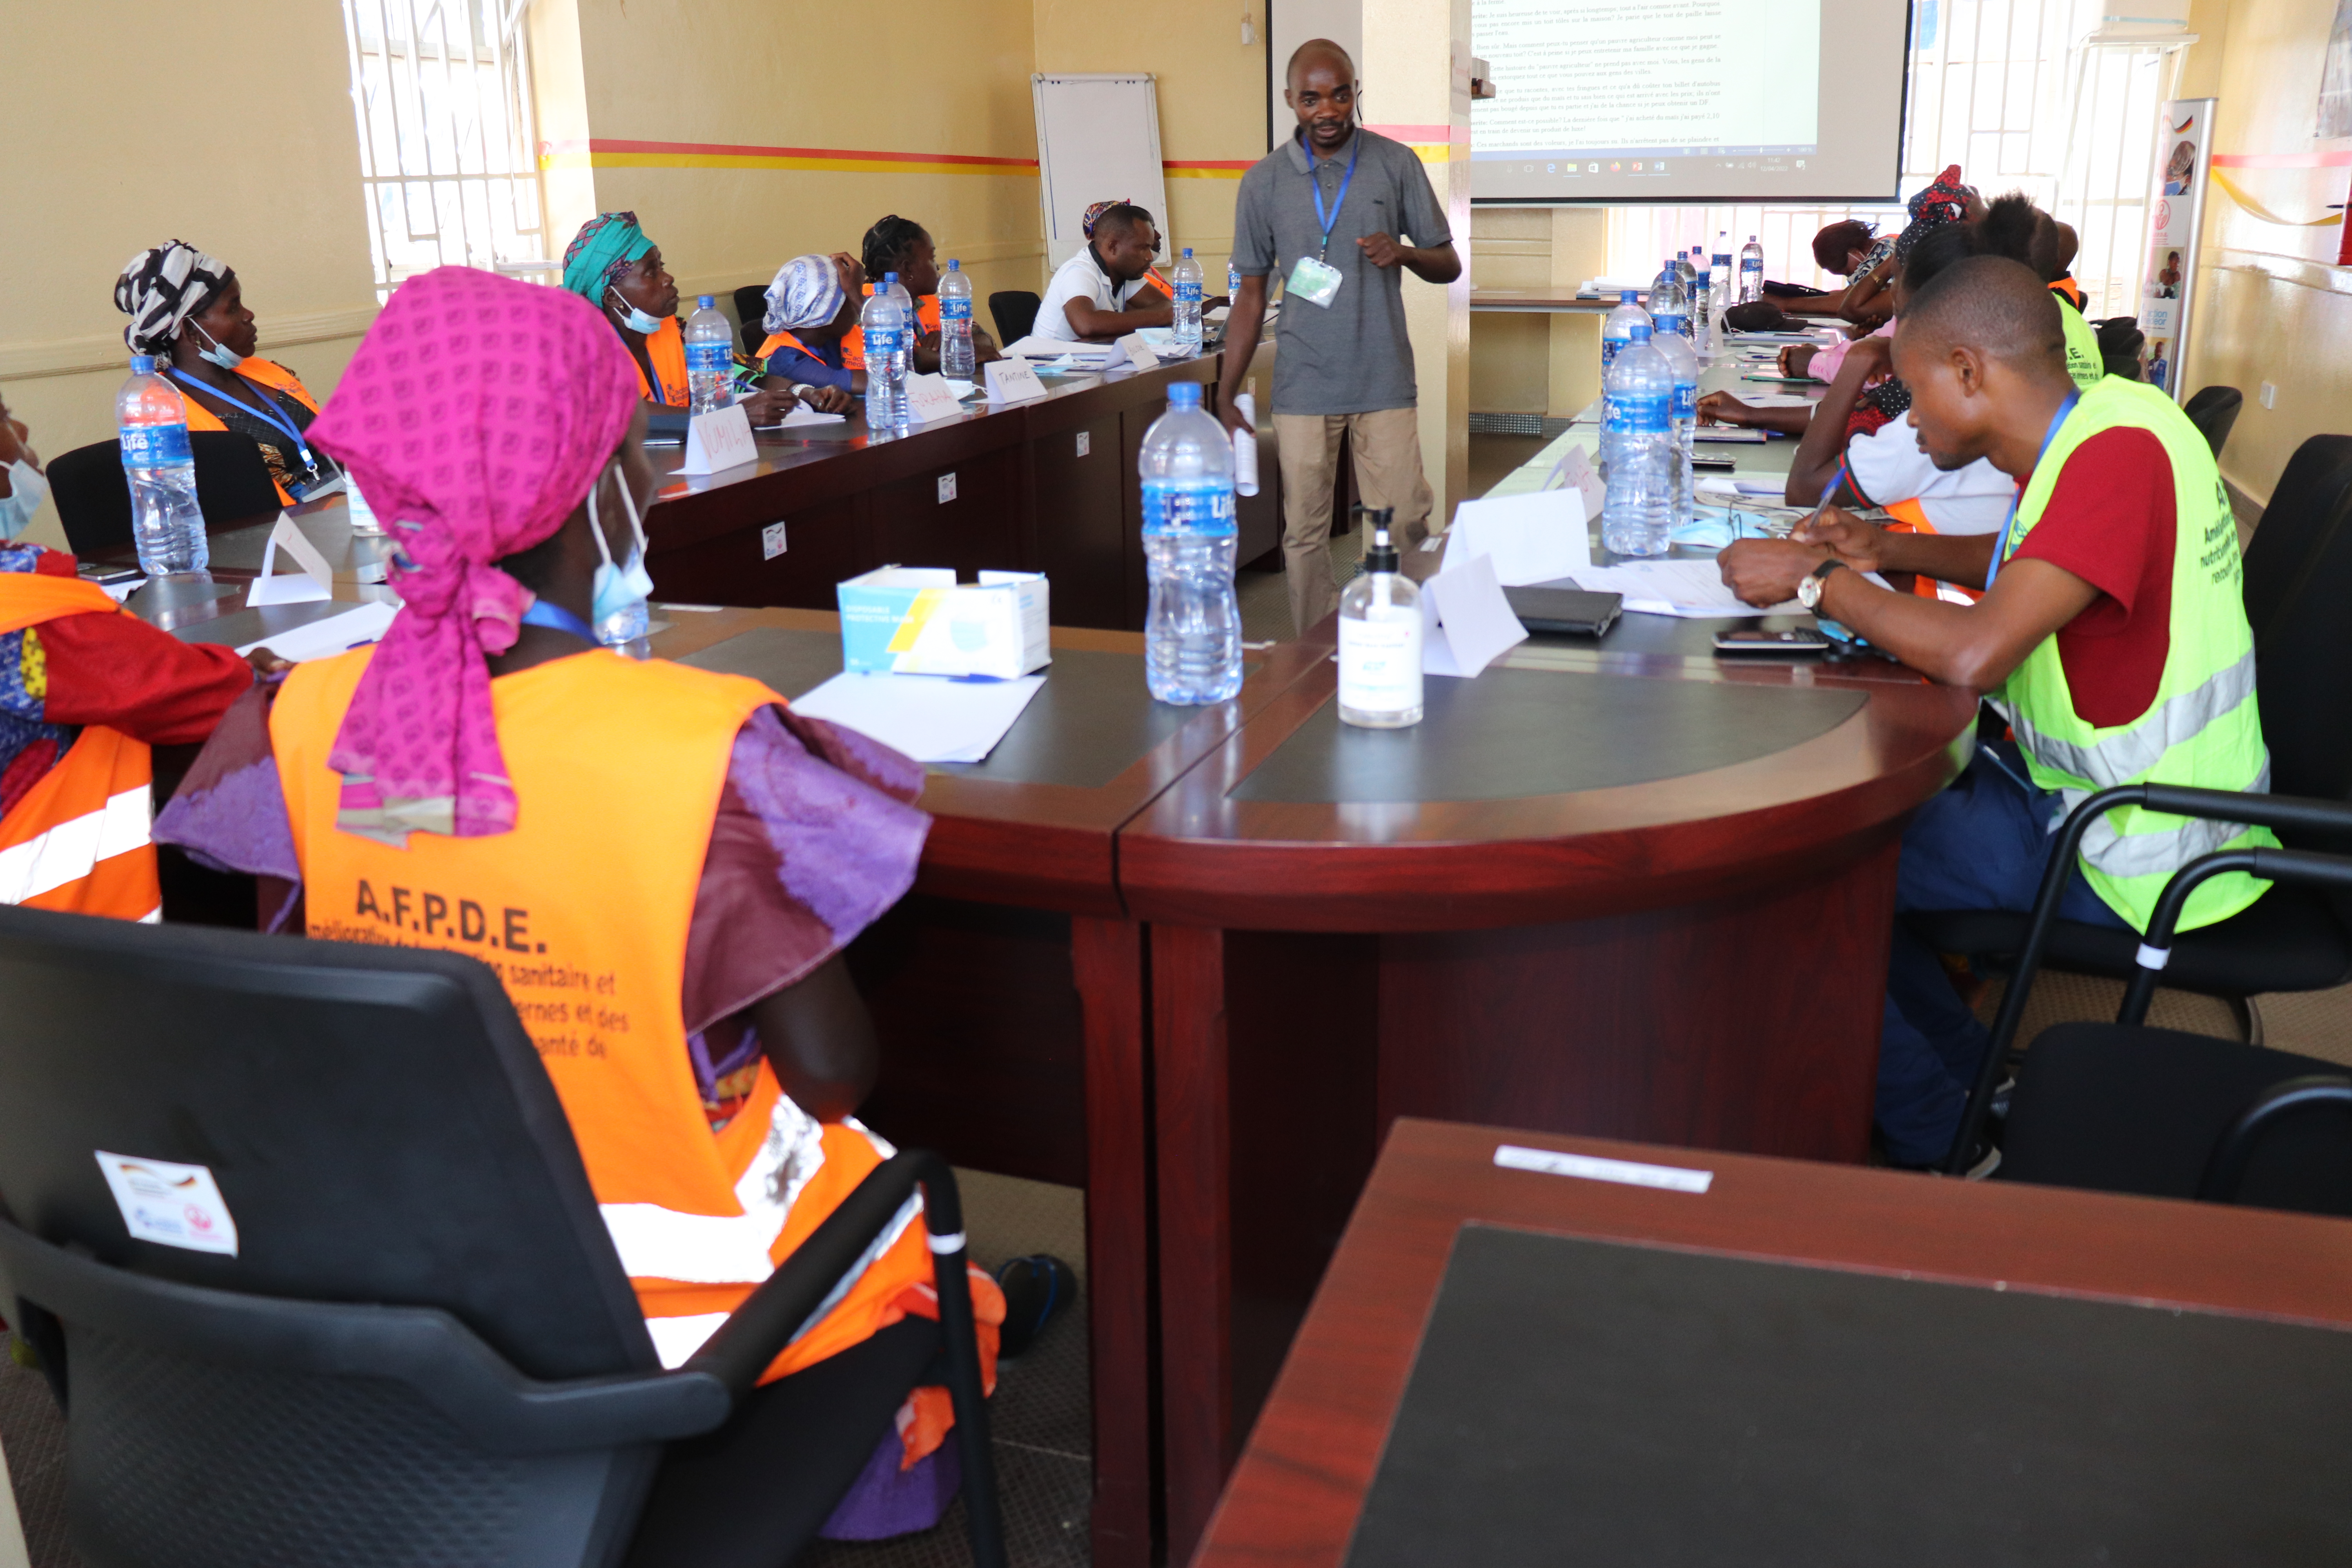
column 883, row 328
column 1682, row 414
column 1186, row 276
column 1380, row 632
column 1701, row 304
column 1232, row 279
column 709, row 351
column 1682, row 266
column 1719, row 276
column 957, row 357
column 1669, row 308
column 166, row 524
column 1617, row 328
column 1637, row 519
column 1192, row 629
column 1751, row 271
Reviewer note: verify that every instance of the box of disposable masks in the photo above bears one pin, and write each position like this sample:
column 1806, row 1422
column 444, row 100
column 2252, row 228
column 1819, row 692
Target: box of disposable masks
column 919, row 620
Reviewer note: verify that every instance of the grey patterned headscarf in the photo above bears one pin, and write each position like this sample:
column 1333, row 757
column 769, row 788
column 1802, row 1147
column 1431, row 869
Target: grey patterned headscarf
column 806, row 293
column 162, row 288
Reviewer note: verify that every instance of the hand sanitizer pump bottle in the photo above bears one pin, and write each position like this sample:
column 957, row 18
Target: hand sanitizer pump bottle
column 1380, row 638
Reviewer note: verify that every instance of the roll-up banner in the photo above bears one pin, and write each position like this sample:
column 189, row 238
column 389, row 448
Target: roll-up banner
column 2184, row 149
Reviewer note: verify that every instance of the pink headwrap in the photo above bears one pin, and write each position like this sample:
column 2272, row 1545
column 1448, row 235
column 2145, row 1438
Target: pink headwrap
column 476, row 415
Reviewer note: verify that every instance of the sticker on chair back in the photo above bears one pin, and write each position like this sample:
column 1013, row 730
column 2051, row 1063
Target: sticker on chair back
column 173, row 1206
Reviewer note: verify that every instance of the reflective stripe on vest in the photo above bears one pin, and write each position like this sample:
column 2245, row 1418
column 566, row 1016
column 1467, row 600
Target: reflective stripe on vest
column 2203, row 729
column 78, row 840
column 584, row 910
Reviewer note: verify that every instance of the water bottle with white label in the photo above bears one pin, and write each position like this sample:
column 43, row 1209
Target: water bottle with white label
column 1380, row 632
column 1185, row 318
column 709, row 354
column 152, row 423
column 1638, row 517
column 1682, row 416
column 958, row 359
column 1192, row 624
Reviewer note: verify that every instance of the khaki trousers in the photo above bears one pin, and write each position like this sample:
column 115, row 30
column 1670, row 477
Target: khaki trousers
column 1386, row 445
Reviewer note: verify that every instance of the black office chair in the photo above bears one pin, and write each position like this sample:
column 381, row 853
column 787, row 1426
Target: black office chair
column 2216, row 959
column 751, row 310
column 2123, row 1107
column 2213, row 410
column 1016, row 311
column 423, row 1347
column 93, row 498
column 2298, row 577
column 2120, row 345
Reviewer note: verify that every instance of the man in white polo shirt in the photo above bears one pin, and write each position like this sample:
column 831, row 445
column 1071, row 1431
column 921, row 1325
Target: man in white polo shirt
column 1089, row 300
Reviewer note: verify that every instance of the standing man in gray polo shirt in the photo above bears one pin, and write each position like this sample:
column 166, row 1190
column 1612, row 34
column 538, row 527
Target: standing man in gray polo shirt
column 1325, row 211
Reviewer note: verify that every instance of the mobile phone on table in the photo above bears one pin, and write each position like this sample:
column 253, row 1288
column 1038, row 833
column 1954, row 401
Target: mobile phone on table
column 1715, row 465
column 98, row 571
column 1756, row 640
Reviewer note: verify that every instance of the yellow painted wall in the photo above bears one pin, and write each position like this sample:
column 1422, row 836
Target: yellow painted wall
column 2274, row 305
column 1530, row 363
column 91, row 173
column 749, row 101
column 1211, row 93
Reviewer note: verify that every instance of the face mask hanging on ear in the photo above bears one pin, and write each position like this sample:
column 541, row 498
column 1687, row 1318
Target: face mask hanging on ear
column 26, row 490
column 637, row 320
column 216, row 353
column 618, row 590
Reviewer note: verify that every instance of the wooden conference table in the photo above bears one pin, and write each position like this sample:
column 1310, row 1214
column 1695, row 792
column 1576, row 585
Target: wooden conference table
column 1195, row 961
column 2062, row 1261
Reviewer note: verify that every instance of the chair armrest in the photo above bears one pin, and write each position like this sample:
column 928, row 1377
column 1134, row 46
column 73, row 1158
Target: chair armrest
column 2300, row 865
column 421, row 1348
column 803, row 1287
column 2228, row 1166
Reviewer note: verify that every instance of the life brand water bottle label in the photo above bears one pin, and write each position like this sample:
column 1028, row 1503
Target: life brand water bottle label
column 1686, row 400
column 1204, row 510
column 1608, row 347
column 155, row 446
column 1644, row 414
column 1189, row 292
column 881, row 340
column 706, row 359
column 955, row 310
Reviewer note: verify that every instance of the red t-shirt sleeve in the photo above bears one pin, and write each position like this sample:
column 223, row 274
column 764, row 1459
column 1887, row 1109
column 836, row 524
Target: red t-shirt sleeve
column 119, row 671
column 2111, row 521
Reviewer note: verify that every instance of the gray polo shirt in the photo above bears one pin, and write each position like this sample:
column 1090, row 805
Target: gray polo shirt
column 1351, row 356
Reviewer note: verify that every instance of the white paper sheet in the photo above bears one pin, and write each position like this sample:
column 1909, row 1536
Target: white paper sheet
column 1037, row 347
column 803, row 413
column 929, row 717
column 1465, row 621
column 337, row 634
column 1538, row 537
column 314, row 582
column 1693, row 589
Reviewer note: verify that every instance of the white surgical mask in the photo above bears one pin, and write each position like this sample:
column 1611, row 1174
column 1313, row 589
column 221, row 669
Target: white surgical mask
column 217, row 354
column 27, row 488
column 637, row 320
column 617, row 588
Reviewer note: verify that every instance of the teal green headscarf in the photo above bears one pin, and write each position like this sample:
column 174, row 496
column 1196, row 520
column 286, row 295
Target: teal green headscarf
column 605, row 244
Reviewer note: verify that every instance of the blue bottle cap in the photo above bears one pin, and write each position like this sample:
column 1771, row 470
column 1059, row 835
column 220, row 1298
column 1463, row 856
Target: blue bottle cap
column 1640, row 331
column 1185, row 395
column 1188, row 253
column 703, row 301
column 1625, row 296
column 889, row 278
column 953, row 264
column 143, row 364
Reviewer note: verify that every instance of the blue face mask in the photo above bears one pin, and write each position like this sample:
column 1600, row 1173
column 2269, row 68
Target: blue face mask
column 637, row 320
column 216, row 353
column 617, row 588
column 27, row 488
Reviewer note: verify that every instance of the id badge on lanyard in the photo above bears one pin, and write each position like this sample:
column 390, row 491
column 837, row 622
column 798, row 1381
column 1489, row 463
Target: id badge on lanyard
column 1313, row 279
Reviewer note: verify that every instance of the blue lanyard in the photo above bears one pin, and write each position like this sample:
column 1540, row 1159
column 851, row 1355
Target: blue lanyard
column 2001, row 551
column 1315, row 185
column 267, row 415
column 544, row 614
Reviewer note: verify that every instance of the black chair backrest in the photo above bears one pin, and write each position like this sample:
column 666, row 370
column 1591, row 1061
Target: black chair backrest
column 2298, row 583
column 93, row 498
column 1016, row 311
column 2304, row 507
column 751, row 310
column 377, row 1122
column 2213, row 411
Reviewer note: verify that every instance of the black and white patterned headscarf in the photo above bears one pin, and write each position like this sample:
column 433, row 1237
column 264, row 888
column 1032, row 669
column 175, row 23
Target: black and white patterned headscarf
column 162, row 288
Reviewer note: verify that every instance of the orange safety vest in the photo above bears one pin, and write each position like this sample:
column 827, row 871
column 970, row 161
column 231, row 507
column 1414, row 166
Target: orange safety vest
column 78, row 839
column 2070, row 291
column 665, row 347
column 261, row 373
column 1911, row 517
column 583, row 909
column 853, row 349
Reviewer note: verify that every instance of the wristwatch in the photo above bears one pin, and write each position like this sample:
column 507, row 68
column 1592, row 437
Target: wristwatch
column 1809, row 591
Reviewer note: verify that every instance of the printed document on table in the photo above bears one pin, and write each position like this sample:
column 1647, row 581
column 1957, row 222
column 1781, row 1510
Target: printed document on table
column 1694, row 590
column 340, row 633
column 931, row 718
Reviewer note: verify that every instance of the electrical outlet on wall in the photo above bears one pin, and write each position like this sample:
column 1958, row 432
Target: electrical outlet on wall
column 2269, row 396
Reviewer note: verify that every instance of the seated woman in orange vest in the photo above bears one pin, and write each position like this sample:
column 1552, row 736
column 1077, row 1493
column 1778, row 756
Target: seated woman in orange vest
column 84, row 690
column 611, row 264
column 188, row 311
column 813, row 344
column 682, row 857
column 902, row 245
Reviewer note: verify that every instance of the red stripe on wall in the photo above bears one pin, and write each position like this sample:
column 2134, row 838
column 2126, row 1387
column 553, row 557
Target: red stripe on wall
column 2283, row 160
column 731, row 150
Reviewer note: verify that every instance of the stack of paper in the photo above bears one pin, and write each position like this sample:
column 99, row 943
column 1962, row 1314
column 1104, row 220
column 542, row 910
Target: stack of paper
column 1694, row 590
column 930, row 718
column 1033, row 347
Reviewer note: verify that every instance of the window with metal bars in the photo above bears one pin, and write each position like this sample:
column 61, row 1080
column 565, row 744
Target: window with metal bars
column 2023, row 96
column 448, row 143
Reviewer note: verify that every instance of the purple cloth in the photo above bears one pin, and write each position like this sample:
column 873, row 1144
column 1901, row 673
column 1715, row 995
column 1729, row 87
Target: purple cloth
column 885, row 1500
column 815, row 837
